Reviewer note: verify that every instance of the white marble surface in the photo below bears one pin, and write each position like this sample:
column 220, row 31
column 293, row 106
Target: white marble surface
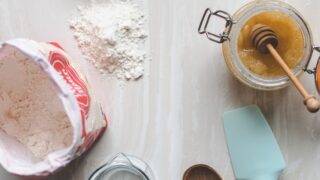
column 172, row 116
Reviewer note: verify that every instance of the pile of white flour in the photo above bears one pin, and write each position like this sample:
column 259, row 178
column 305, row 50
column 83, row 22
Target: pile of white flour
column 30, row 109
column 112, row 36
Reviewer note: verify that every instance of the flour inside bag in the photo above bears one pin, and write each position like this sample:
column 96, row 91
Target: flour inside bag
column 48, row 114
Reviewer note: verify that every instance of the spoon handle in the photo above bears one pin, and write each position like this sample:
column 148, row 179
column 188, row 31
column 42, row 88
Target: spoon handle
column 310, row 101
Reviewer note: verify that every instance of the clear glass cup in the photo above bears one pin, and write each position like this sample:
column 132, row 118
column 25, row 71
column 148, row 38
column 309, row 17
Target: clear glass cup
column 122, row 167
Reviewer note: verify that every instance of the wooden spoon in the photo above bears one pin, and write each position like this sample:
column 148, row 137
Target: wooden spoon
column 201, row 172
column 265, row 40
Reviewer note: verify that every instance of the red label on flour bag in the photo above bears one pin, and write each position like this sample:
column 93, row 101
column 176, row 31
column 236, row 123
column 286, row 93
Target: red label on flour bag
column 78, row 87
column 85, row 113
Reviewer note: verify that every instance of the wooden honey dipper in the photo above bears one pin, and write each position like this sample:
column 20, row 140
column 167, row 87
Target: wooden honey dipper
column 265, row 40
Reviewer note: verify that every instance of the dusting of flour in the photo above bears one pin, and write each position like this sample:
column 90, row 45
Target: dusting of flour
column 112, row 36
column 30, row 109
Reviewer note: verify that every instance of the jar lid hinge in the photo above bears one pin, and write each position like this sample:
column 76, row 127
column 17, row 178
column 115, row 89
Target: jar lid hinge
column 203, row 26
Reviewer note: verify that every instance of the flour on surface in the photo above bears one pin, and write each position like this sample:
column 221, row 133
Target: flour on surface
column 30, row 109
column 112, row 36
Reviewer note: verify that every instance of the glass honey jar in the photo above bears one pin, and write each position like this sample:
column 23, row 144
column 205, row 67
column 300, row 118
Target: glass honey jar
column 257, row 70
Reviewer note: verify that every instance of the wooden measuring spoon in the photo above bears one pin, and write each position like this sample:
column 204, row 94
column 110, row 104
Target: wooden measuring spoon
column 201, row 172
column 265, row 40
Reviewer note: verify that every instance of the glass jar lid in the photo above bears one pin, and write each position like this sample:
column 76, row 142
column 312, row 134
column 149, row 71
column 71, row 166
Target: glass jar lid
column 121, row 167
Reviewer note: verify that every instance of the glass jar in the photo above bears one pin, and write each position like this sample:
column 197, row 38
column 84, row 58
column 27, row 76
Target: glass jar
column 123, row 166
column 229, row 40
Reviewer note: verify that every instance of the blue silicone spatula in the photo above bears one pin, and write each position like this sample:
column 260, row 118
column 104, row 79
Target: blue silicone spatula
column 253, row 149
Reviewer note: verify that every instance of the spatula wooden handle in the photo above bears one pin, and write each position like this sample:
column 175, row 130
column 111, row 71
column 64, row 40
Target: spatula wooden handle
column 310, row 101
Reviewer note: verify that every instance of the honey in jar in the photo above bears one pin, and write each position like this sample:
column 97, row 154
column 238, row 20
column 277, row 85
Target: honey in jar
column 290, row 45
column 261, row 71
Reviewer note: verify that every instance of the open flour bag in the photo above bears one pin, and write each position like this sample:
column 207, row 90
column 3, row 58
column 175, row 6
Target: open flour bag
column 48, row 115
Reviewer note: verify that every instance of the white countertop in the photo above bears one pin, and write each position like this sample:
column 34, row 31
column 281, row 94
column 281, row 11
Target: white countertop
column 172, row 117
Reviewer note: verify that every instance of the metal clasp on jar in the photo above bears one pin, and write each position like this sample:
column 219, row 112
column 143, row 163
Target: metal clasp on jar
column 316, row 70
column 218, row 38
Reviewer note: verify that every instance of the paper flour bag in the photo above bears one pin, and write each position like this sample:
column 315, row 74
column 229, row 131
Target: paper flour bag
column 48, row 115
